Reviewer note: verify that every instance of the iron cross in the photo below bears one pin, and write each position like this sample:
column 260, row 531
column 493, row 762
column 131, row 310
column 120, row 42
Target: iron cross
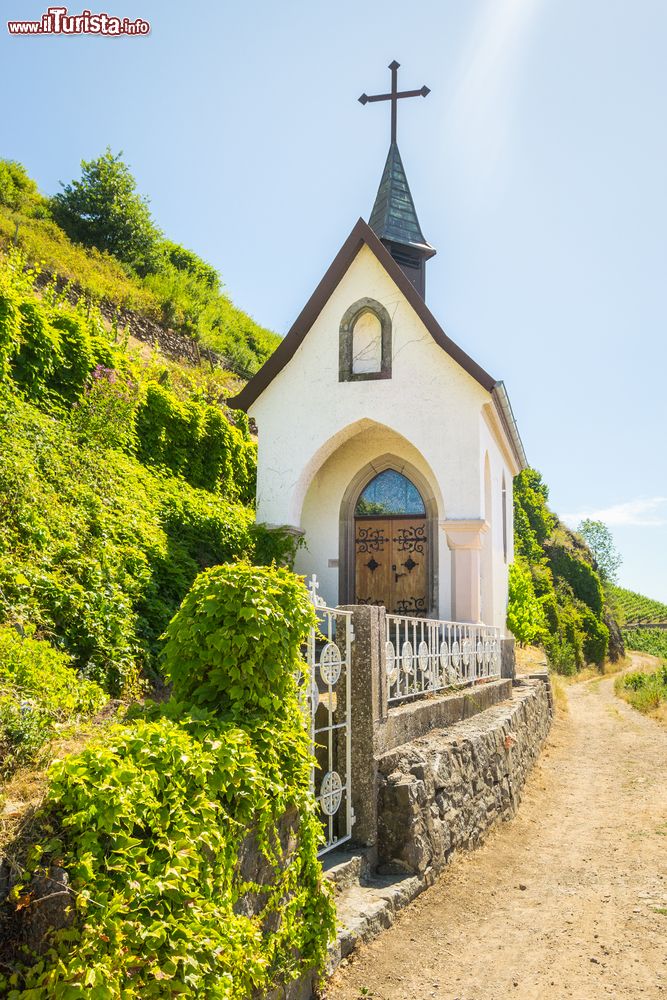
column 394, row 96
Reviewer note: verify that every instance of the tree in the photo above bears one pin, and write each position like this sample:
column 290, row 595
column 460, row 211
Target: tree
column 18, row 191
column 600, row 540
column 104, row 210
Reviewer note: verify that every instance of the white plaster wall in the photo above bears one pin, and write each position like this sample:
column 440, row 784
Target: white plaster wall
column 316, row 433
column 499, row 463
column 306, row 413
column 322, row 506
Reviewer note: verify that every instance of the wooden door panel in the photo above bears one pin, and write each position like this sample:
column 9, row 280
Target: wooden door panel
column 372, row 552
column 409, row 559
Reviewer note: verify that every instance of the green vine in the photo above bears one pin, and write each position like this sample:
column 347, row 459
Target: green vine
column 190, row 836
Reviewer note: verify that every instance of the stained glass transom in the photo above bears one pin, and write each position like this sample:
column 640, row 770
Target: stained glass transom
column 390, row 493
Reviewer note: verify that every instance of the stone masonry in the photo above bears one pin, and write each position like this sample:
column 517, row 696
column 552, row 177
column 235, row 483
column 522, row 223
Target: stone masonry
column 443, row 792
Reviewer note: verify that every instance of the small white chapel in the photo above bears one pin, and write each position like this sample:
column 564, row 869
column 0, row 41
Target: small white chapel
column 385, row 446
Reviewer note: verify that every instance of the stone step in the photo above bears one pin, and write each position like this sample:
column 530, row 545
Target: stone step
column 346, row 867
column 364, row 910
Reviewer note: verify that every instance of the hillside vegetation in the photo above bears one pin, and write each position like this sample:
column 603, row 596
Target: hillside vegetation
column 126, row 492
column 99, row 235
column 634, row 608
column 154, row 822
column 557, row 597
column 120, row 480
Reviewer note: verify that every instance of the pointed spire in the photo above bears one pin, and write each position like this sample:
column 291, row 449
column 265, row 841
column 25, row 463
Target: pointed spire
column 394, row 220
column 394, row 217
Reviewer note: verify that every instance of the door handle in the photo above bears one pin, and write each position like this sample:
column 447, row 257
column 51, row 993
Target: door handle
column 397, row 575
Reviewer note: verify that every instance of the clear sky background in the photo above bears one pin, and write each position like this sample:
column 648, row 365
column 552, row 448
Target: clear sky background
column 538, row 165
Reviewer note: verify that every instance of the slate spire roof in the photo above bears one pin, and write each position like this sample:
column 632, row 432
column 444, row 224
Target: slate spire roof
column 394, row 217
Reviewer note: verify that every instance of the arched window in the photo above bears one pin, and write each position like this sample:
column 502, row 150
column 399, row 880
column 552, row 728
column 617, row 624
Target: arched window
column 365, row 342
column 390, row 494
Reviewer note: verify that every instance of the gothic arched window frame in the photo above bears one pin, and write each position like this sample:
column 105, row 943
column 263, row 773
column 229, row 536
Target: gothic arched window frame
column 346, row 341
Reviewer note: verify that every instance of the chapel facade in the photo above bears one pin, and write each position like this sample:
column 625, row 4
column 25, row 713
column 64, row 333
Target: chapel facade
column 381, row 442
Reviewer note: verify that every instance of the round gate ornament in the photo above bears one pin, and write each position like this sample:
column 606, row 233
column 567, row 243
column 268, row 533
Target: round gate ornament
column 456, row 654
column 331, row 663
column 422, row 656
column 480, row 652
column 331, row 793
column 487, row 652
column 467, row 650
column 444, row 651
column 313, row 695
column 390, row 655
column 407, row 656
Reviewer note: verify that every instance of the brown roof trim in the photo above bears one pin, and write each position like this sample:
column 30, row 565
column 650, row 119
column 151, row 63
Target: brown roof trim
column 360, row 235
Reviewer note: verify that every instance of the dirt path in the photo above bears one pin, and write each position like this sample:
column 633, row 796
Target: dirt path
column 567, row 900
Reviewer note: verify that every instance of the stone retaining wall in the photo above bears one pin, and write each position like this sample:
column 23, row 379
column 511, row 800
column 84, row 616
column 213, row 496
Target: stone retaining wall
column 444, row 791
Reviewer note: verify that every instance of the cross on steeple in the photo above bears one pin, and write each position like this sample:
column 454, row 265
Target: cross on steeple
column 394, row 96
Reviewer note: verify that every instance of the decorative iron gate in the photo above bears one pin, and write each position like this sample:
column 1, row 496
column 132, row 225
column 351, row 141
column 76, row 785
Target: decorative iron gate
column 329, row 657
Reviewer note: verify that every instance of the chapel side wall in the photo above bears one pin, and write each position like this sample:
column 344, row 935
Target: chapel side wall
column 499, row 466
column 430, row 400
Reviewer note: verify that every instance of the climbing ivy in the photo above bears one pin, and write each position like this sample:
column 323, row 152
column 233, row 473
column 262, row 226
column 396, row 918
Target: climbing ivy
column 150, row 821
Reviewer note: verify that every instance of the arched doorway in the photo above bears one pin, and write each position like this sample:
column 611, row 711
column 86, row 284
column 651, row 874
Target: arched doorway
column 391, row 545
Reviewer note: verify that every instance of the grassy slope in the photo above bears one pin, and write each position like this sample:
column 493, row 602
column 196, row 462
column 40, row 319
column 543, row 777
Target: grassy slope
column 219, row 324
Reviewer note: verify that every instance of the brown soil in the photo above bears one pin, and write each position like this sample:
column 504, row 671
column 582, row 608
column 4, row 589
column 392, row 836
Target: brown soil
column 568, row 900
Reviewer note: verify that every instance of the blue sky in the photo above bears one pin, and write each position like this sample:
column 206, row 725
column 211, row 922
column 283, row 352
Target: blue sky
column 537, row 165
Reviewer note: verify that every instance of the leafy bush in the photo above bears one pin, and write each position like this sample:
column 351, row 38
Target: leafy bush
column 18, row 191
column 228, row 645
column 525, row 615
column 568, row 562
column 38, row 690
column 150, row 822
column 644, row 690
column 105, row 413
column 95, row 549
column 195, row 440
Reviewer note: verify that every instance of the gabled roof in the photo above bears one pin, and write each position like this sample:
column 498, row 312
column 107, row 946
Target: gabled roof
column 286, row 349
column 394, row 217
column 362, row 235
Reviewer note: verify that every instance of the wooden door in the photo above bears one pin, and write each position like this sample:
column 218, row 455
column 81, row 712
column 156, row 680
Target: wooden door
column 409, row 558
column 372, row 547
column 391, row 563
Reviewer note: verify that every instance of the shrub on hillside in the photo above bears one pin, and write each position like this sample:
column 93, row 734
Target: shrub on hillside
column 196, row 441
column 645, row 690
column 38, row 690
column 231, row 642
column 150, row 821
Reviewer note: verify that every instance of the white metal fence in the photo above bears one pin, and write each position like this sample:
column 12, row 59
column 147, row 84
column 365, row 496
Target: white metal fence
column 424, row 655
column 329, row 656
